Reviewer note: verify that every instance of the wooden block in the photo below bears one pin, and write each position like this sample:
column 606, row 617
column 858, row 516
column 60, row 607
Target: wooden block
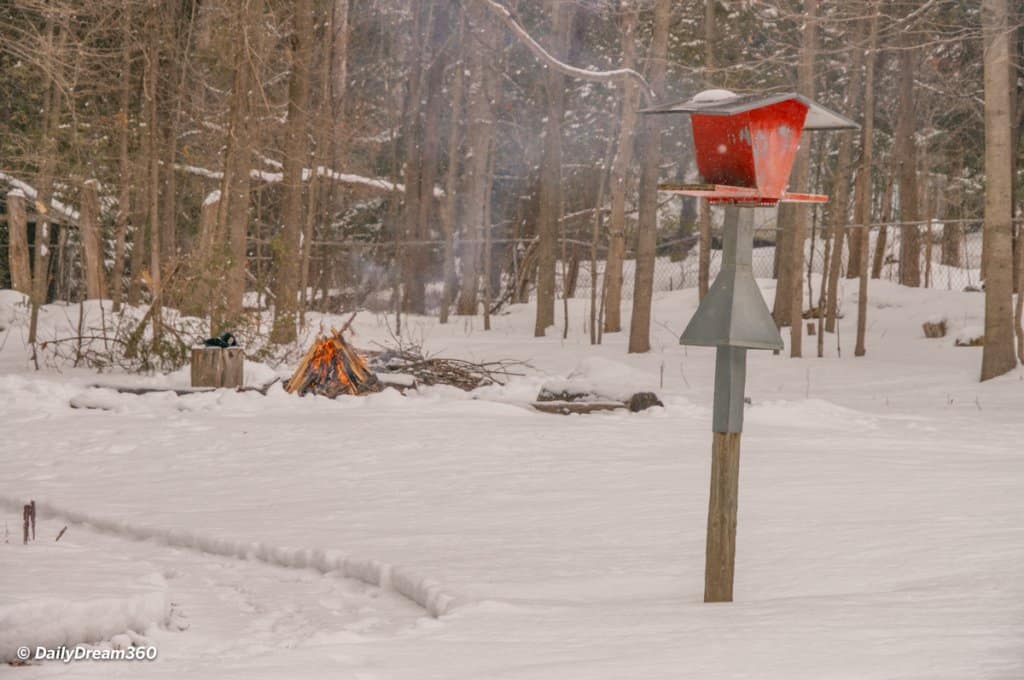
column 233, row 367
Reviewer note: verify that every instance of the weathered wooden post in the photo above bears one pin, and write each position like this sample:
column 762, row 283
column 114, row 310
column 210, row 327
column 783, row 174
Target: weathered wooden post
column 745, row 149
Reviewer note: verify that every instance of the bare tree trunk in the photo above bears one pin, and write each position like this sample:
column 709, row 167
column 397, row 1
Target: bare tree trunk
column 998, row 355
column 339, row 73
column 910, row 236
column 838, row 214
column 436, row 26
column 704, row 254
column 449, row 208
column 551, row 171
column 621, row 171
column 808, row 54
column 709, row 38
column 92, row 251
column 149, row 86
column 296, row 152
column 138, row 256
column 124, row 196
column 476, row 165
column 233, row 207
column 647, row 223
column 53, row 103
column 878, row 260
column 867, row 150
column 595, row 232
column 952, row 232
column 414, row 138
column 17, row 242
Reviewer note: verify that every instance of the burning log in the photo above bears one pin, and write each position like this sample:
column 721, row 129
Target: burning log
column 332, row 367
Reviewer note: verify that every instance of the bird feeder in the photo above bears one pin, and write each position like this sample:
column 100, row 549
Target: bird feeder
column 745, row 148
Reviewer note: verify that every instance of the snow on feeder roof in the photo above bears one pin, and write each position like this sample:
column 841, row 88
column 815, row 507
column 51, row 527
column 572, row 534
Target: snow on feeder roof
column 746, row 144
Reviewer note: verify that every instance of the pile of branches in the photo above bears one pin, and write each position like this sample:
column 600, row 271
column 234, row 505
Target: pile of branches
column 330, row 368
column 432, row 370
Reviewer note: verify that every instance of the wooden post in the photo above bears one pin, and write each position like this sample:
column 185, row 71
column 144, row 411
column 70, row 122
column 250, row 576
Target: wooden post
column 24, row 523
column 32, row 517
column 720, row 556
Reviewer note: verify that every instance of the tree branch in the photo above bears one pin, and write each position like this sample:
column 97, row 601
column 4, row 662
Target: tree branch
column 551, row 61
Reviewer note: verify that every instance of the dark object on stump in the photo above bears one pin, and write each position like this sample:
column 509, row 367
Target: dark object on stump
column 223, row 340
column 214, row 366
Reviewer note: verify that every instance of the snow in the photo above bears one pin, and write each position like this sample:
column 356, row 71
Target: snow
column 713, row 96
column 462, row 535
column 601, row 377
column 26, row 189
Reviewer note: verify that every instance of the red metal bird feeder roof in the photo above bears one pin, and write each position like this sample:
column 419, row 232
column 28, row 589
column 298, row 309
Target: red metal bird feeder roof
column 746, row 145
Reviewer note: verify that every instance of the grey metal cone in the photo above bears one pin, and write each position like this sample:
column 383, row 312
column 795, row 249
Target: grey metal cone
column 733, row 313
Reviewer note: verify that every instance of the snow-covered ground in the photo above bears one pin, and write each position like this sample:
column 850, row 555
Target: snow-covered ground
column 881, row 526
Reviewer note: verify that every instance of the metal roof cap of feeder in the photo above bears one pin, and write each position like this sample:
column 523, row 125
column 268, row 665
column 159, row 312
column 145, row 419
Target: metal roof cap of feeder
column 726, row 103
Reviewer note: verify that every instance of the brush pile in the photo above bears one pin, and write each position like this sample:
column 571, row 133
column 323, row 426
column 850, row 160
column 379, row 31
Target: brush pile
column 428, row 370
column 330, row 368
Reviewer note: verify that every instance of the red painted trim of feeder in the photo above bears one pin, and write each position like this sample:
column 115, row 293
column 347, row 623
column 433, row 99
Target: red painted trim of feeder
column 745, row 145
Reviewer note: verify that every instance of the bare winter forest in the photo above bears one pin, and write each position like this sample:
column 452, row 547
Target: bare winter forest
column 222, row 159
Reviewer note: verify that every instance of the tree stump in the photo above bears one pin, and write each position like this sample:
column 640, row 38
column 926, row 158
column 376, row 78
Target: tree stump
column 234, row 366
column 934, row 329
column 217, row 366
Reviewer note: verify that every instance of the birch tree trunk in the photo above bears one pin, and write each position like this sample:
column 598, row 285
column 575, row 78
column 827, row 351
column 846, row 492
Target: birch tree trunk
column 647, row 223
column 997, row 246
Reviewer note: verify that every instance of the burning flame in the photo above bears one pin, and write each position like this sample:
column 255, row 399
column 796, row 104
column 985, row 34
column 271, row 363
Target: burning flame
column 331, row 367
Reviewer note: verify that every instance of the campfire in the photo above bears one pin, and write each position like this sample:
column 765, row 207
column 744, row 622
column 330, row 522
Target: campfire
column 332, row 367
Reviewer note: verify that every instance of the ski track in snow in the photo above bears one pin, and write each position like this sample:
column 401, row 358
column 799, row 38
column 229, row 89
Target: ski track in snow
column 426, row 593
